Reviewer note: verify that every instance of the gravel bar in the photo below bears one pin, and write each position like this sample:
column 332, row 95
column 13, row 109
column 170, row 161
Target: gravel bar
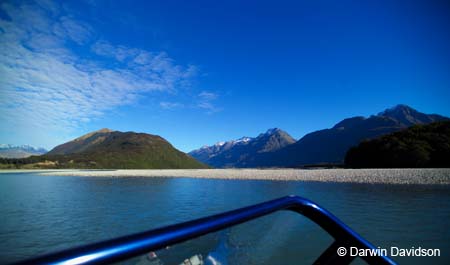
column 375, row 176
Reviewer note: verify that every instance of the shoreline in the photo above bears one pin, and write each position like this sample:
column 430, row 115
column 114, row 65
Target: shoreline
column 439, row 176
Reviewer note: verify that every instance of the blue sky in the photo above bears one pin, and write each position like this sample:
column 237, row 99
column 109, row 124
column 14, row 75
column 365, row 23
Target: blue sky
column 201, row 72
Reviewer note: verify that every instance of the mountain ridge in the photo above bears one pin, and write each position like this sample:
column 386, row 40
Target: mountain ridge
column 326, row 146
column 240, row 152
column 81, row 143
column 329, row 146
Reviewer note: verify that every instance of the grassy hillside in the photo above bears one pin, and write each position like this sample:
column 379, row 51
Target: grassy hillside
column 110, row 149
column 418, row 146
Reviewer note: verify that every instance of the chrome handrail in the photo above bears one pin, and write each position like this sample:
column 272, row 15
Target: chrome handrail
column 126, row 247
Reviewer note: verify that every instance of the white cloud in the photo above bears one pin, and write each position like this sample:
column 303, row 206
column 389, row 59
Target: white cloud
column 45, row 85
column 207, row 95
column 170, row 105
column 120, row 53
column 206, row 101
column 68, row 28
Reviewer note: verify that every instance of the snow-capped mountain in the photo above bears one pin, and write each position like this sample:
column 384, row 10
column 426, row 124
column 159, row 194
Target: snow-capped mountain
column 239, row 152
column 20, row 151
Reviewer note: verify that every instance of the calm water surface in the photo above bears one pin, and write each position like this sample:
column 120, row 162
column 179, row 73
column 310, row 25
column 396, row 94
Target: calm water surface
column 41, row 214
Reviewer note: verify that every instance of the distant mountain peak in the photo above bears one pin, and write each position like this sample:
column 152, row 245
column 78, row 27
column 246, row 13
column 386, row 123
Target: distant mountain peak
column 242, row 151
column 407, row 116
column 398, row 109
column 216, row 144
column 273, row 130
column 101, row 131
column 104, row 130
column 244, row 139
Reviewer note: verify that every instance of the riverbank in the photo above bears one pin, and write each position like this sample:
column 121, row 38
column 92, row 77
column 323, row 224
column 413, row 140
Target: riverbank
column 375, row 176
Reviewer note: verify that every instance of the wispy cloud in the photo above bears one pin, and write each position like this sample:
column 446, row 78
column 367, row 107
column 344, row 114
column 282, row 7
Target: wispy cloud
column 206, row 101
column 170, row 105
column 68, row 28
column 205, row 95
column 46, row 85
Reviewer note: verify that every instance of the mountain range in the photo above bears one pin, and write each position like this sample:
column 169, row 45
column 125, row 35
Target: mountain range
column 106, row 148
column 19, row 151
column 243, row 152
column 327, row 146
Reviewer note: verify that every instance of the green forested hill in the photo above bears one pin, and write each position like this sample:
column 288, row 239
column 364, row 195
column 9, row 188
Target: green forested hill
column 111, row 149
column 417, row 146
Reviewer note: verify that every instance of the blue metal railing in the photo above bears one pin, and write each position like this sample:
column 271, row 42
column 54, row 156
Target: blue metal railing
column 123, row 248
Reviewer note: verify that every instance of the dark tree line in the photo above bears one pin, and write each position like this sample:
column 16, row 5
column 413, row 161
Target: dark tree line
column 18, row 162
column 417, row 146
